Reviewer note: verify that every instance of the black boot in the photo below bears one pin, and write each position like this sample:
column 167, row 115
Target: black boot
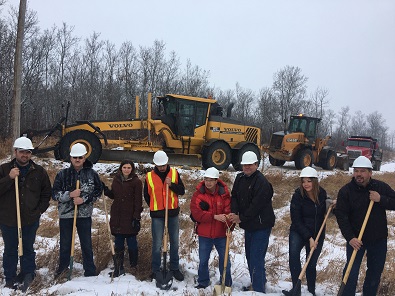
column 118, row 264
column 133, row 257
column 291, row 292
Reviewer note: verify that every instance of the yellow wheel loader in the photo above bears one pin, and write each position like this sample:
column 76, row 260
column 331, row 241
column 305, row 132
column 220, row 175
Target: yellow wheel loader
column 191, row 130
column 299, row 143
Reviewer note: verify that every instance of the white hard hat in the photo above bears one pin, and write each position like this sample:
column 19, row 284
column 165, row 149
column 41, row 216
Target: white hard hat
column 211, row 173
column 160, row 158
column 78, row 149
column 23, row 143
column 249, row 157
column 308, row 172
column 362, row 162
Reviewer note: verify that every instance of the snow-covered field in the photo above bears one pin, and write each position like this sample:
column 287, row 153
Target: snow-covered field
column 278, row 279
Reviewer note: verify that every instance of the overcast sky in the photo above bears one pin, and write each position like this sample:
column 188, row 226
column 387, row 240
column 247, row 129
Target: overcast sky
column 344, row 46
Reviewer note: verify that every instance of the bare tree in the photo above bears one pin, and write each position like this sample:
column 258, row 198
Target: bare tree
column 289, row 87
column 320, row 101
column 16, row 106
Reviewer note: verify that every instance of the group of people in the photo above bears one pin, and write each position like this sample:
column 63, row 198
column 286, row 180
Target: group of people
column 214, row 209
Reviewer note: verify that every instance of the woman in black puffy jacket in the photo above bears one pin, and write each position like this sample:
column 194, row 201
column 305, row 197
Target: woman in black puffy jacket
column 308, row 209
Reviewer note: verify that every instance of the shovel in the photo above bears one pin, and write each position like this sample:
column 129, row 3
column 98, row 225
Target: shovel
column 18, row 218
column 222, row 289
column 299, row 282
column 109, row 235
column 354, row 253
column 164, row 278
column 77, row 186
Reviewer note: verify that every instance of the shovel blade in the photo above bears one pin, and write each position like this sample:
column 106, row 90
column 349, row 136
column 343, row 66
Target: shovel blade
column 220, row 290
column 164, row 279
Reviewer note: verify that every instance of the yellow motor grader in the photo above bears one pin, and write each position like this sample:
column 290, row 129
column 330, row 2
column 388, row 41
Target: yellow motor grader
column 191, row 130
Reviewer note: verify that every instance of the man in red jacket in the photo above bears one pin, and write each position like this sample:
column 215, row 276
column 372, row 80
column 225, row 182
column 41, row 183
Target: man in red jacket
column 209, row 206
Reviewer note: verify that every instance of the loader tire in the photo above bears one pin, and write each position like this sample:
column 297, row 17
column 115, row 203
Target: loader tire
column 329, row 163
column 276, row 162
column 304, row 158
column 91, row 142
column 218, row 155
column 238, row 154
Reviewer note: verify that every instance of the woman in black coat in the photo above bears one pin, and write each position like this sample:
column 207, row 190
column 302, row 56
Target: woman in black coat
column 308, row 209
column 126, row 191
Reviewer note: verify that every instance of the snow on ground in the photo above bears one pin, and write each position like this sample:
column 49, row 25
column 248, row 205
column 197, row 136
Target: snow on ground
column 102, row 285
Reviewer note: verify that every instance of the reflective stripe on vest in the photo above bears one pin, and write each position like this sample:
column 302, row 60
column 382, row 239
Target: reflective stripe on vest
column 157, row 191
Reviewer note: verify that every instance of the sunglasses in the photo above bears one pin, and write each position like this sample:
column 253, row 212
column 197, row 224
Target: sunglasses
column 77, row 157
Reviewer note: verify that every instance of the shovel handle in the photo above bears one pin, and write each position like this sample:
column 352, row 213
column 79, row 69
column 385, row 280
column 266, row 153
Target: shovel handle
column 354, row 253
column 108, row 225
column 316, row 241
column 77, row 186
column 18, row 218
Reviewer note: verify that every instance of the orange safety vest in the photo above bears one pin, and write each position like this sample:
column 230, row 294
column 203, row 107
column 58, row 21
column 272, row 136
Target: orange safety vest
column 157, row 191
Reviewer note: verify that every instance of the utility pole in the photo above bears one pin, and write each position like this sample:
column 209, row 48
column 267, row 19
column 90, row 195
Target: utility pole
column 16, row 102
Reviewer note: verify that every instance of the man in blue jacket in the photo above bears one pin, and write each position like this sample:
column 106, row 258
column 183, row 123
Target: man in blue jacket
column 67, row 195
column 351, row 207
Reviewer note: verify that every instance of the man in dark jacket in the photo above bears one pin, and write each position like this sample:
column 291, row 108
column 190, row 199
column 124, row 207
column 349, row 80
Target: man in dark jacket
column 252, row 209
column 351, row 207
column 155, row 185
column 68, row 196
column 34, row 194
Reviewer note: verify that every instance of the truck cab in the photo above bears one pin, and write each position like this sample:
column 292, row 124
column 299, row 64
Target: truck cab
column 365, row 146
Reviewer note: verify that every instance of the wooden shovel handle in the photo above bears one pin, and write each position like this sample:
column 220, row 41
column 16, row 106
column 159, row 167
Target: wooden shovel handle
column 77, row 186
column 354, row 253
column 18, row 218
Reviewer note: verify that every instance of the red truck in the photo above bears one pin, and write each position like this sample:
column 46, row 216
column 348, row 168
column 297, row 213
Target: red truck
column 366, row 146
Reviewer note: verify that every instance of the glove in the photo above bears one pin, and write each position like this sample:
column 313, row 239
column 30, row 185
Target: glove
column 136, row 225
column 105, row 188
column 204, row 205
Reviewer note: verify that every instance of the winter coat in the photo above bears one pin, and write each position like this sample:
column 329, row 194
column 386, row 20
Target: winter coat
column 34, row 194
column 307, row 216
column 352, row 205
column 252, row 201
column 178, row 188
column 219, row 203
column 127, row 206
column 65, row 182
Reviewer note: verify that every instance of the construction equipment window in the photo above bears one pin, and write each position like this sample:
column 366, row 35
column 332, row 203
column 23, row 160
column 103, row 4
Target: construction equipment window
column 201, row 114
column 186, row 120
column 311, row 131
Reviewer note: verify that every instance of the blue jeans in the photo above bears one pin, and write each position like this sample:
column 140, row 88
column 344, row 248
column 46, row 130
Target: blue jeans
column 10, row 255
column 256, row 243
column 157, row 228
column 131, row 241
column 84, row 226
column 205, row 247
column 296, row 244
column 376, row 253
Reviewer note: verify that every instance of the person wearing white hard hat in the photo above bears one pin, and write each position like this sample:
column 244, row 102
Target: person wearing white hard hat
column 34, row 189
column 252, row 208
column 66, row 193
column 308, row 210
column 210, row 205
column 155, row 185
column 351, row 208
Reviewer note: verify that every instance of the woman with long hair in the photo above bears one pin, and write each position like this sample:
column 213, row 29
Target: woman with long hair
column 308, row 209
column 126, row 191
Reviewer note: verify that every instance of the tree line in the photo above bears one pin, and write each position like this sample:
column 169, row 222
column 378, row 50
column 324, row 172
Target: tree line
column 101, row 81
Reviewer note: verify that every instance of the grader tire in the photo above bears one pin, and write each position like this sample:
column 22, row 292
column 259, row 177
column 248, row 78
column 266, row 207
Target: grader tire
column 91, row 142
